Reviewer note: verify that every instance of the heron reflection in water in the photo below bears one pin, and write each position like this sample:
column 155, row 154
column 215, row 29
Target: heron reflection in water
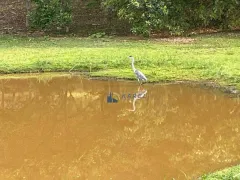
column 140, row 94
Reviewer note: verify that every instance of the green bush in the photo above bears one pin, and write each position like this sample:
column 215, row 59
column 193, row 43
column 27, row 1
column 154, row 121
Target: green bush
column 50, row 14
column 176, row 16
column 98, row 35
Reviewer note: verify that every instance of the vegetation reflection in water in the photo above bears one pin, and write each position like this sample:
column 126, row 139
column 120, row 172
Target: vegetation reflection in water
column 63, row 128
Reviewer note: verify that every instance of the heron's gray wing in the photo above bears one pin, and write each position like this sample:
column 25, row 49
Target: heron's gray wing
column 140, row 75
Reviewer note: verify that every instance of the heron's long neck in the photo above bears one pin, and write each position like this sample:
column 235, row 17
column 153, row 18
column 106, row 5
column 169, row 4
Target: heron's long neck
column 134, row 69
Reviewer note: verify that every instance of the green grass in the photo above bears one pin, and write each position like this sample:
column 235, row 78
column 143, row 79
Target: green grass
column 232, row 173
column 209, row 57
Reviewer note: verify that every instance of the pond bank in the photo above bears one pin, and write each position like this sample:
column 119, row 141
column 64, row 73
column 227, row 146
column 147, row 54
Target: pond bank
column 231, row 91
column 213, row 58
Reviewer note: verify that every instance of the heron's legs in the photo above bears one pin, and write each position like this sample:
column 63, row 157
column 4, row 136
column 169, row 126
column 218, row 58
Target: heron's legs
column 139, row 81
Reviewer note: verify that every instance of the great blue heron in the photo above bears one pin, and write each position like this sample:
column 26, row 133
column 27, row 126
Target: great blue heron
column 140, row 76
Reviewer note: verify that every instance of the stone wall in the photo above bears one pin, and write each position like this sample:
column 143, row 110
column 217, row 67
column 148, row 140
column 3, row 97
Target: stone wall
column 12, row 16
column 91, row 18
column 88, row 18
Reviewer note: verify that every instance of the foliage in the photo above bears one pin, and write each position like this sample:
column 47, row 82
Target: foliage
column 175, row 16
column 49, row 15
column 98, row 35
column 232, row 173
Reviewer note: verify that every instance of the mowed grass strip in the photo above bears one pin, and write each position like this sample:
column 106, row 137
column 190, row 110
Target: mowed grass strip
column 206, row 57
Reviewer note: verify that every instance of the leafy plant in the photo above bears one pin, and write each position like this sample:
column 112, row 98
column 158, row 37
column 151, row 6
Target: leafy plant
column 98, row 35
column 175, row 16
column 42, row 65
column 51, row 14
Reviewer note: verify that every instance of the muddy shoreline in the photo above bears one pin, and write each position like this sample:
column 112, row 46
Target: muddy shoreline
column 230, row 91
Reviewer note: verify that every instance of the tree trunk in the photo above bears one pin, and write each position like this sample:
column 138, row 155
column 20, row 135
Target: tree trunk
column 28, row 8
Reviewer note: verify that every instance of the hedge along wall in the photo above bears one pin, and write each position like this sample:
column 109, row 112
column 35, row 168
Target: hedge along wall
column 88, row 18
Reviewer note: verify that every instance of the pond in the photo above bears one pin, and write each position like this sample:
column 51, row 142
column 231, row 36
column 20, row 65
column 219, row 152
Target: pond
column 68, row 127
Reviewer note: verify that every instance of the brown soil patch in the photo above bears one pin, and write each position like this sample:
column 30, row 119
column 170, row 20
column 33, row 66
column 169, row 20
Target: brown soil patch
column 177, row 40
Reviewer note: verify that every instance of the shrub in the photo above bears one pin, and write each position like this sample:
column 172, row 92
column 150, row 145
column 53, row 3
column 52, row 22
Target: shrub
column 50, row 14
column 174, row 15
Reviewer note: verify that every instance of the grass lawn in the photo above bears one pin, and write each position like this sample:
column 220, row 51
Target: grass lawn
column 232, row 173
column 199, row 58
column 209, row 57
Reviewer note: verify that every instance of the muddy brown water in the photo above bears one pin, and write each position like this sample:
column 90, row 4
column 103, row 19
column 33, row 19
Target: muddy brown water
column 64, row 128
